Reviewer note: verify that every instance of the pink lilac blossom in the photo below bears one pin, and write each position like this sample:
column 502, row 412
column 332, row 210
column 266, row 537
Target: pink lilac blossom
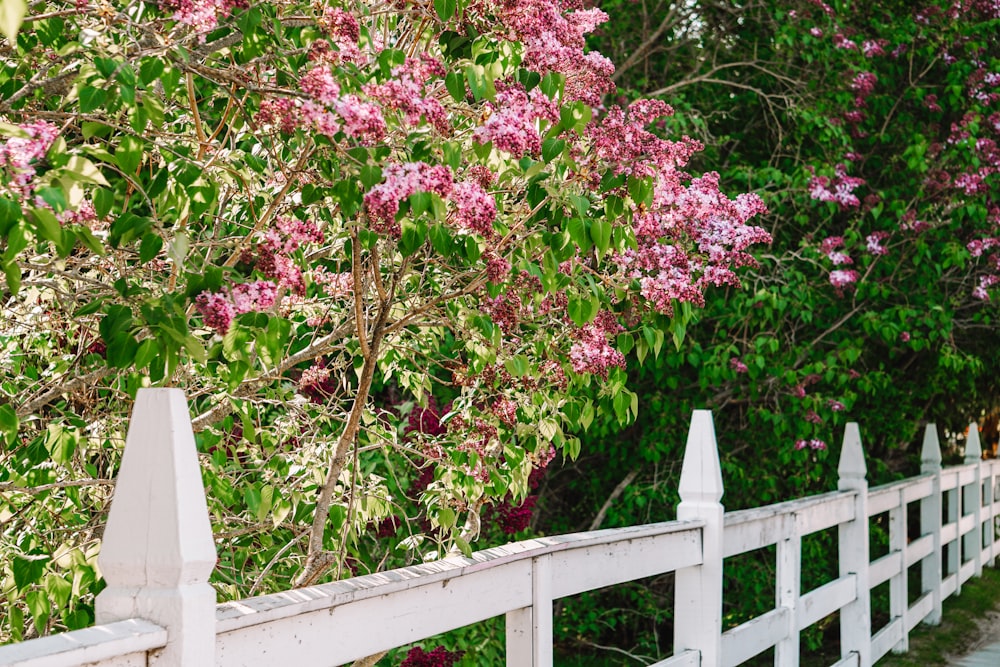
column 904, row 336
column 841, row 278
column 813, row 444
column 253, row 297
column 839, row 189
column 836, row 406
column 21, row 155
column 985, row 283
column 873, row 48
column 591, row 353
column 337, row 285
column 362, row 120
column 864, row 83
column 738, row 366
column 202, row 15
column 320, row 84
column 439, row 657
column 405, row 93
column 399, row 182
column 874, row 243
column 555, row 41
column 216, row 310
column 512, row 124
column 475, row 209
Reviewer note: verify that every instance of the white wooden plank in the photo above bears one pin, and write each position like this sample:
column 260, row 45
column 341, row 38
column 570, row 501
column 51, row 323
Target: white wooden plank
column 920, row 610
column 852, row 660
column 755, row 533
column 919, row 549
column 685, row 659
column 966, row 475
column 262, row 609
column 882, row 499
column 949, row 533
column 886, row 638
column 949, row 479
column 966, row 524
column 966, row 572
column 99, row 644
column 759, row 527
column 921, row 488
column 948, row 586
column 885, row 567
column 756, row 635
column 517, row 626
column 828, row 598
column 541, row 611
column 587, row 568
column 787, row 595
column 417, row 612
column 833, row 512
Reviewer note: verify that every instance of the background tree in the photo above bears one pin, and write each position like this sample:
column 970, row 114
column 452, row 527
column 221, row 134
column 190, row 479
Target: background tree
column 870, row 130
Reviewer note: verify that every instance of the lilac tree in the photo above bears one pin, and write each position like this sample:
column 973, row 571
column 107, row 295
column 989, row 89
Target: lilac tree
column 381, row 245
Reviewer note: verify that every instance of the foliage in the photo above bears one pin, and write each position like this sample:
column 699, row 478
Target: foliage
column 384, row 248
column 870, row 132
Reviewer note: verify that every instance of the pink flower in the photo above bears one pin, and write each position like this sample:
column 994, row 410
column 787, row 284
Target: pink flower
column 738, row 365
column 217, row 312
column 840, row 279
column 401, row 181
column 874, row 243
column 836, row 406
column 475, row 209
column 257, row 296
column 592, row 353
column 319, row 84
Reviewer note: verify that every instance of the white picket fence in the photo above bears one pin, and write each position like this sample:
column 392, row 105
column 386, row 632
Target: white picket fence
column 158, row 553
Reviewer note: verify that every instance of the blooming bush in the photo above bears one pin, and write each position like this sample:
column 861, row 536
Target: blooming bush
column 322, row 220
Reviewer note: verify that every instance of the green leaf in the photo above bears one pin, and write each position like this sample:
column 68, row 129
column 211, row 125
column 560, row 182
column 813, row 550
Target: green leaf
column 552, row 148
column 13, row 274
column 578, row 231
column 150, row 69
column 85, row 171
column 129, row 154
column 518, row 365
column 28, row 571
column 12, row 14
column 92, row 98
column 600, row 233
column 479, row 84
column 38, row 605
column 455, row 83
column 150, row 247
column 8, row 420
column 148, row 349
column 445, row 8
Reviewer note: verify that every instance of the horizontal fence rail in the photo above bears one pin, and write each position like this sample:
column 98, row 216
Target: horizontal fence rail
column 158, row 608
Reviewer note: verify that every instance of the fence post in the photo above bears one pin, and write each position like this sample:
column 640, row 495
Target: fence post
column 973, row 495
column 930, row 523
column 698, row 589
column 158, row 551
column 855, row 617
column 899, row 605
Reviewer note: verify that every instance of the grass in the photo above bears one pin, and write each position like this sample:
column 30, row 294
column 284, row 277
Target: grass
column 962, row 625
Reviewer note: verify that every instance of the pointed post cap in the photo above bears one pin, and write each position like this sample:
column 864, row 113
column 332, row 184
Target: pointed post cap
column 930, row 454
column 852, row 468
column 973, row 448
column 701, row 474
column 158, row 533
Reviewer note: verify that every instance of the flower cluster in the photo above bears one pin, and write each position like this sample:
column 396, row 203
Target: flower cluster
column 202, row 15
column 839, row 189
column 20, row 155
column 218, row 309
column 512, row 123
column 439, row 657
column 592, row 353
column 813, row 444
column 274, row 251
column 405, row 92
column 401, row 181
column 554, row 40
